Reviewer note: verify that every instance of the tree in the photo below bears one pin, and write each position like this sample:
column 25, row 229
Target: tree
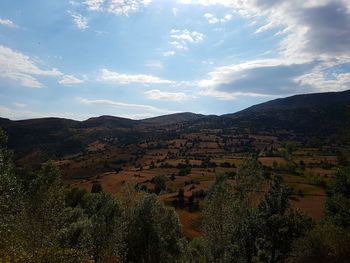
column 153, row 231
column 75, row 196
column 181, row 198
column 337, row 210
column 238, row 228
column 107, row 227
column 96, row 188
column 10, row 201
column 43, row 215
column 219, row 221
column 279, row 224
column 159, row 184
column 249, row 181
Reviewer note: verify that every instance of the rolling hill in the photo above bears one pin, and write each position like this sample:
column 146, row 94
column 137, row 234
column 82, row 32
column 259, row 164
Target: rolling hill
column 320, row 115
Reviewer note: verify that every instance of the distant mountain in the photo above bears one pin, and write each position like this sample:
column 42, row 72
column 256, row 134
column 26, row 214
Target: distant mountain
column 108, row 122
column 305, row 101
column 173, row 118
column 321, row 116
column 318, row 114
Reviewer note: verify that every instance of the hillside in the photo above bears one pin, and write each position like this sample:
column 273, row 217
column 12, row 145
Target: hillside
column 318, row 116
column 304, row 101
column 321, row 114
column 173, row 118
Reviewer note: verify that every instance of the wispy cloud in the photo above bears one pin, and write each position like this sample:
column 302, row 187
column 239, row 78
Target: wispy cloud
column 69, row 80
column 80, row 21
column 182, row 38
column 111, row 76
column 315, row 37
column 21, row 69
column 212, row 19
column 123, row 105
column 169, row 53
column 7, row 22
column 20, row 105
column 156, row 94
column 175, row 11
column 154, row 64
column 118, row 7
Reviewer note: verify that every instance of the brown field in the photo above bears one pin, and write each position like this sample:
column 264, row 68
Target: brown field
column 114, row 167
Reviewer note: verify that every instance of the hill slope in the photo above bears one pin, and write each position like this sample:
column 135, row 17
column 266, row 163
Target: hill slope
column 305, row 101
column 173, row 118
column 320, row 115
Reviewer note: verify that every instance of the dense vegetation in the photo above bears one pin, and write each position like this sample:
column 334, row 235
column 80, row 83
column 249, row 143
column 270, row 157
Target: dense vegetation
column 248, row 221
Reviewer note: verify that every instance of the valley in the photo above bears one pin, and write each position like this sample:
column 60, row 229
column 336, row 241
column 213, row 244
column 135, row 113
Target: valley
column 187, row 151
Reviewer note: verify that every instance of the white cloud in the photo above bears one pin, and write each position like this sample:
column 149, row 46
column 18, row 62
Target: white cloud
column 20, row 68
column 337, row 82
column 68, row 80
column 118, row 7
column 212, row 19
column 257, row 78
column 20, row 105
column 315, row 37
column 182, row 38
column 175, row 11
column 7, row 22
column 156, row 94
column 110, row 76
column 122, row 105
column 314, row 29
column 228, row 3
column 186, row 35
column 169, row 53
column 80, row 21
column 154, row 64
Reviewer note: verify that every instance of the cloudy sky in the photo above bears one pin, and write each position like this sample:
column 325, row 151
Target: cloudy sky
column 143, row 58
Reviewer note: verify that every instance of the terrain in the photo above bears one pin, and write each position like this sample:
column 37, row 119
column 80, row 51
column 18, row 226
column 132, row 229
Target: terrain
column 298, row 138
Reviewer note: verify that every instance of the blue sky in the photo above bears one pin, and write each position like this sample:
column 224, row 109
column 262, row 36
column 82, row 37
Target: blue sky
column 144, row 58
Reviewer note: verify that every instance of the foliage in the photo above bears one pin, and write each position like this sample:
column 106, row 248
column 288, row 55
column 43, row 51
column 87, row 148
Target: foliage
column 96, row 188
column 219, row 221
column 337, row 210
column 326, row 243
column 238, row 228
column 39, row 222
column 279, row 225
column 153, row 231
column 159, row 184
column 10, row 204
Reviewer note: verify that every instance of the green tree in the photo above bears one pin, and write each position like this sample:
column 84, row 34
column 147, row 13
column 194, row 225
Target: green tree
column 96, row 188
column 107, row 227
column 239, row 228
column 279, row 224
column 10, row 201
column 153, row 231
column 43, row 215
column 249, row 181
column 159, row 184
column 219, row 221
column 337, row 210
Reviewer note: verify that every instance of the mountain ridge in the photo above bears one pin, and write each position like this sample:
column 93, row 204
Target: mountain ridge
column 319, row 115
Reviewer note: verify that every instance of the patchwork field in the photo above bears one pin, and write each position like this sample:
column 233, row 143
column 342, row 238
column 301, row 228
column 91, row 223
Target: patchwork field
column 190, row 163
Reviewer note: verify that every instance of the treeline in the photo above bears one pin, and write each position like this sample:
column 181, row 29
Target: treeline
column 250, row 221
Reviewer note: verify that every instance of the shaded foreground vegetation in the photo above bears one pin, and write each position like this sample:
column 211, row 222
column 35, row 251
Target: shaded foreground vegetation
column 249, row 220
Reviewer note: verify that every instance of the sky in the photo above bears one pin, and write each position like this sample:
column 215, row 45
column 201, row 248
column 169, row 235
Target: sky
column 142, row 58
